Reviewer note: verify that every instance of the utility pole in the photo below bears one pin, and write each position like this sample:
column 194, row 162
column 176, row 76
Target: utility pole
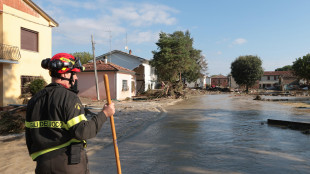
column 95, row 67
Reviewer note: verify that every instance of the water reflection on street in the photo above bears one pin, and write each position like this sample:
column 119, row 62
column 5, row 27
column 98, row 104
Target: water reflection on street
column 214, row 134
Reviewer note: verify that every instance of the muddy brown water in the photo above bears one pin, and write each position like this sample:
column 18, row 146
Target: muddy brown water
column 213, row 134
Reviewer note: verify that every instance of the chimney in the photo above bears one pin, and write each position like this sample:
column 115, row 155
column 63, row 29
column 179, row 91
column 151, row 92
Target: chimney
column 130, row 52
column 105, row 59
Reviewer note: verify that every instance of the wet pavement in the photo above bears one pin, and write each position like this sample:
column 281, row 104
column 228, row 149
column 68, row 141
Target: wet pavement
column 212, row 134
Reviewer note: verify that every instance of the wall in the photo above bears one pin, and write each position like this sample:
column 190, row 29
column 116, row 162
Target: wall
column 201, row 83
column 133, row 91
column 121, row 95
column 208, row 81
column 140, row 86
column 221, row 82
column 30, row 62
column 1, row 84
column 1, row 27
column 232, row 82
column 87, row 85
column 264, row 82
column 148, row 77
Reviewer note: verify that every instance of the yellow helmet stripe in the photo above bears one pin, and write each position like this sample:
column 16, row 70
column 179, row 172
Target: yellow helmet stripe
column 67, row 60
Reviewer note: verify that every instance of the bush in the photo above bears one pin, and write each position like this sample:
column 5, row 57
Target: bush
column 37, row 85
column 10, row 123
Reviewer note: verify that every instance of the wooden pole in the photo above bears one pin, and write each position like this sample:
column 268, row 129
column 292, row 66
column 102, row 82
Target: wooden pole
column 107, row 88
column 95, row 67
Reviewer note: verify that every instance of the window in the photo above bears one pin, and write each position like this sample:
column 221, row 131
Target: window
column 29, row 40
column 268, row 77
column 25, row 80
column 125, row 86
column 274, row 77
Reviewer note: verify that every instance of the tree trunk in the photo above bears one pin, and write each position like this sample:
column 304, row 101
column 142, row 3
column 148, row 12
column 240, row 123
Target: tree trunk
column 180, row 77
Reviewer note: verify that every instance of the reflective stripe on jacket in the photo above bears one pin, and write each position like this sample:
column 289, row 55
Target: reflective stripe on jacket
column 55, row 118
column 55, row 124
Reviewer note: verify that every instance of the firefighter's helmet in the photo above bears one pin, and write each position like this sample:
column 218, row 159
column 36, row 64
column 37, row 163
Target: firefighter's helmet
column 62, row 63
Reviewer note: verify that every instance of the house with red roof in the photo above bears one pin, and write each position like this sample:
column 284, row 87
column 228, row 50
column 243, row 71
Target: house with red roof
column 277, row 78
column 122, row 81
column 219, row 81
column 145, row 73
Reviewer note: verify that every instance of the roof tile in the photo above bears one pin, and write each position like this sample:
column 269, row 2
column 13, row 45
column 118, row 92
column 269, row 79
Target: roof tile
column 278, row 73
column 101, row 66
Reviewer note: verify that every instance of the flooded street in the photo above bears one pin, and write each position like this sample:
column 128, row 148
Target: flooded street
column 213, row 134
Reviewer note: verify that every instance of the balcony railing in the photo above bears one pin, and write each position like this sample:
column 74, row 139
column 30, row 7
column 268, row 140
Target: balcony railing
column 8, row 52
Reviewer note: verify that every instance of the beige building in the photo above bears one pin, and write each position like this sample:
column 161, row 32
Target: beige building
column 122, row 81
column 25, row 39
column 275, row 79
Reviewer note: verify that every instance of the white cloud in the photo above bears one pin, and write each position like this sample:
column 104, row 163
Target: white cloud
column 71, row 4
column 141, row 37
column 239, row 41
column 78, row 31
column 144, row 15
column 219, row 53
column 76, row 28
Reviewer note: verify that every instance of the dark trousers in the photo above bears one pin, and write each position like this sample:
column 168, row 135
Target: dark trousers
column 58, row 163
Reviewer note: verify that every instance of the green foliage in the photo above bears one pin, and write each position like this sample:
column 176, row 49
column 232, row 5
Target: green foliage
column 10, row 123
column 285, row 68
column 301, row 67
column 36, row 85
column 84, row 56
column 198, row 67
column 176, row 59
column 246, row 70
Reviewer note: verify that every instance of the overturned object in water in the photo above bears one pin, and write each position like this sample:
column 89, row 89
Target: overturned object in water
column 301, row 126
column 258, row 97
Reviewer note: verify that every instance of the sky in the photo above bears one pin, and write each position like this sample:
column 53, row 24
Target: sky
column 277, row 31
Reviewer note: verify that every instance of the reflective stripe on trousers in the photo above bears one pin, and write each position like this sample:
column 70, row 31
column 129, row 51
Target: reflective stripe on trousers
column 59, row 164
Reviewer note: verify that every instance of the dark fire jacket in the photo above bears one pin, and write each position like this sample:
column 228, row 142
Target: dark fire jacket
column 55, row 118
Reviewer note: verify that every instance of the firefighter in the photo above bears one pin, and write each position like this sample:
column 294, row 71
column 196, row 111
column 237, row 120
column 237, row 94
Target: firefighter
column 56, row 126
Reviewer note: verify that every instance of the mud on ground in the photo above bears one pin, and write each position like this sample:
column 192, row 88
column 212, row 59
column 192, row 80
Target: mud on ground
column 129, row 117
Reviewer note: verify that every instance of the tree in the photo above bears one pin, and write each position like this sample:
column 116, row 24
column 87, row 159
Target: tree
column 246, row 70
column 198, row 68
column 176, row 59
column 301, row 67
column 36, row 85
column 285, row 68
column 84, row 56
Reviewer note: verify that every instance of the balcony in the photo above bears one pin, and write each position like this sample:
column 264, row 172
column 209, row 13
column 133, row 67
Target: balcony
column 9, row 54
